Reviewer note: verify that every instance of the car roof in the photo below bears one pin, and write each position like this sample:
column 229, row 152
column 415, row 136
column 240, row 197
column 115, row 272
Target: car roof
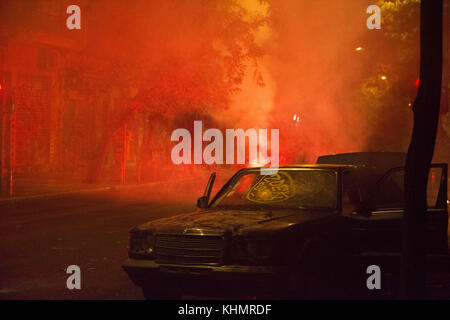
column 312, row 166
column 382, row 160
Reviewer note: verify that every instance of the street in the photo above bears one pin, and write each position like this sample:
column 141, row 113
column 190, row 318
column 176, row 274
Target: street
column 39, row 239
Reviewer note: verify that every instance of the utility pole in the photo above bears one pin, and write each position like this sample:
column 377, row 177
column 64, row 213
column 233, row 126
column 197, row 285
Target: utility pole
column 124, row 155
column 420, row 152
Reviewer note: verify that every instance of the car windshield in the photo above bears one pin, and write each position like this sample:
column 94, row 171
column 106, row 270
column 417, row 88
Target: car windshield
column 289, row 188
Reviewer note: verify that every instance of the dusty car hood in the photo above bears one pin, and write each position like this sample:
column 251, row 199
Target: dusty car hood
column 235, row 221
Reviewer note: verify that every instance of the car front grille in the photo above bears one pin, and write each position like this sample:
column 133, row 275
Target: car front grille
column 189, row 249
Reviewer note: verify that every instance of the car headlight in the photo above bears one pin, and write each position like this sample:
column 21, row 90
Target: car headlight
column 141, row 244
column 251, row 250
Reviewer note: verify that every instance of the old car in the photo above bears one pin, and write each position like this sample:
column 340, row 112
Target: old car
column 293, row 233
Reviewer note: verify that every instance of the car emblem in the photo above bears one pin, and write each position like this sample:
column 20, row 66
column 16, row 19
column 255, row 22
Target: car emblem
column 189, row 230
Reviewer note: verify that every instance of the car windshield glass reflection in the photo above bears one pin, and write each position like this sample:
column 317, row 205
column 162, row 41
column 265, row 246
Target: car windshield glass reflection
column 295, row 189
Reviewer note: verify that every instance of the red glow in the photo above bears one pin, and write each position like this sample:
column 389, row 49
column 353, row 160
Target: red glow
column 187, row 68
column 246, row 182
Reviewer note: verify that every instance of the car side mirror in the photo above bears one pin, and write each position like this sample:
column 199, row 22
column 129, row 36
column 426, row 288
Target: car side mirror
column 202, row 202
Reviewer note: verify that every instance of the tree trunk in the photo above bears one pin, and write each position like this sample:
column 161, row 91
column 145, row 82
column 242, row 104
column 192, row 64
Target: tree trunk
column 96, row 165
column 95, row 169
column 420, row 153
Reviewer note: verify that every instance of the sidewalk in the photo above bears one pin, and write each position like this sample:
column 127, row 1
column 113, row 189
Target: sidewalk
column 29, row 189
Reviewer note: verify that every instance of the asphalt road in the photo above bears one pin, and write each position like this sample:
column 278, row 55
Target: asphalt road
column 39, row 239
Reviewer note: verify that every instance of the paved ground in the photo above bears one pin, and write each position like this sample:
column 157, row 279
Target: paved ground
column 40, row 238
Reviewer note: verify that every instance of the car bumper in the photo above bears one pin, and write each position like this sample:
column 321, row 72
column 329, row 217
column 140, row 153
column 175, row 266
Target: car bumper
column 223, row 280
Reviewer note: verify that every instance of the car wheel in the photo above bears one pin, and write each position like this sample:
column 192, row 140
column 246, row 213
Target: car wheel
column 151, row 294
column 313, row 277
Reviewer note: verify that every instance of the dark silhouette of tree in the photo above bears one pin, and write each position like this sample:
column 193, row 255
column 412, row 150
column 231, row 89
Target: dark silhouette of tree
column 421, row 149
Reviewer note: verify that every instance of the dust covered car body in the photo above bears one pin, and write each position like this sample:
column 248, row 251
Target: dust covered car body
column 288, row 233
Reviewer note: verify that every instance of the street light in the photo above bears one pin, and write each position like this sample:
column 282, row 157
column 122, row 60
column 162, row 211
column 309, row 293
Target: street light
column 296, row 119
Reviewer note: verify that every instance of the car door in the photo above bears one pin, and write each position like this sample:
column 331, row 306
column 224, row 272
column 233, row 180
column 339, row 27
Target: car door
column 437, row 224
column 380, row 231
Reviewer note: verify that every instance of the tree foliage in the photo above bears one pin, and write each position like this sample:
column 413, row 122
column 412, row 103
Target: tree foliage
column 394, row 53
column 171, row 55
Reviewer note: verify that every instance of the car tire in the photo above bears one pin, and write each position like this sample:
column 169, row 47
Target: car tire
column 312, row 277
column 151, row 294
